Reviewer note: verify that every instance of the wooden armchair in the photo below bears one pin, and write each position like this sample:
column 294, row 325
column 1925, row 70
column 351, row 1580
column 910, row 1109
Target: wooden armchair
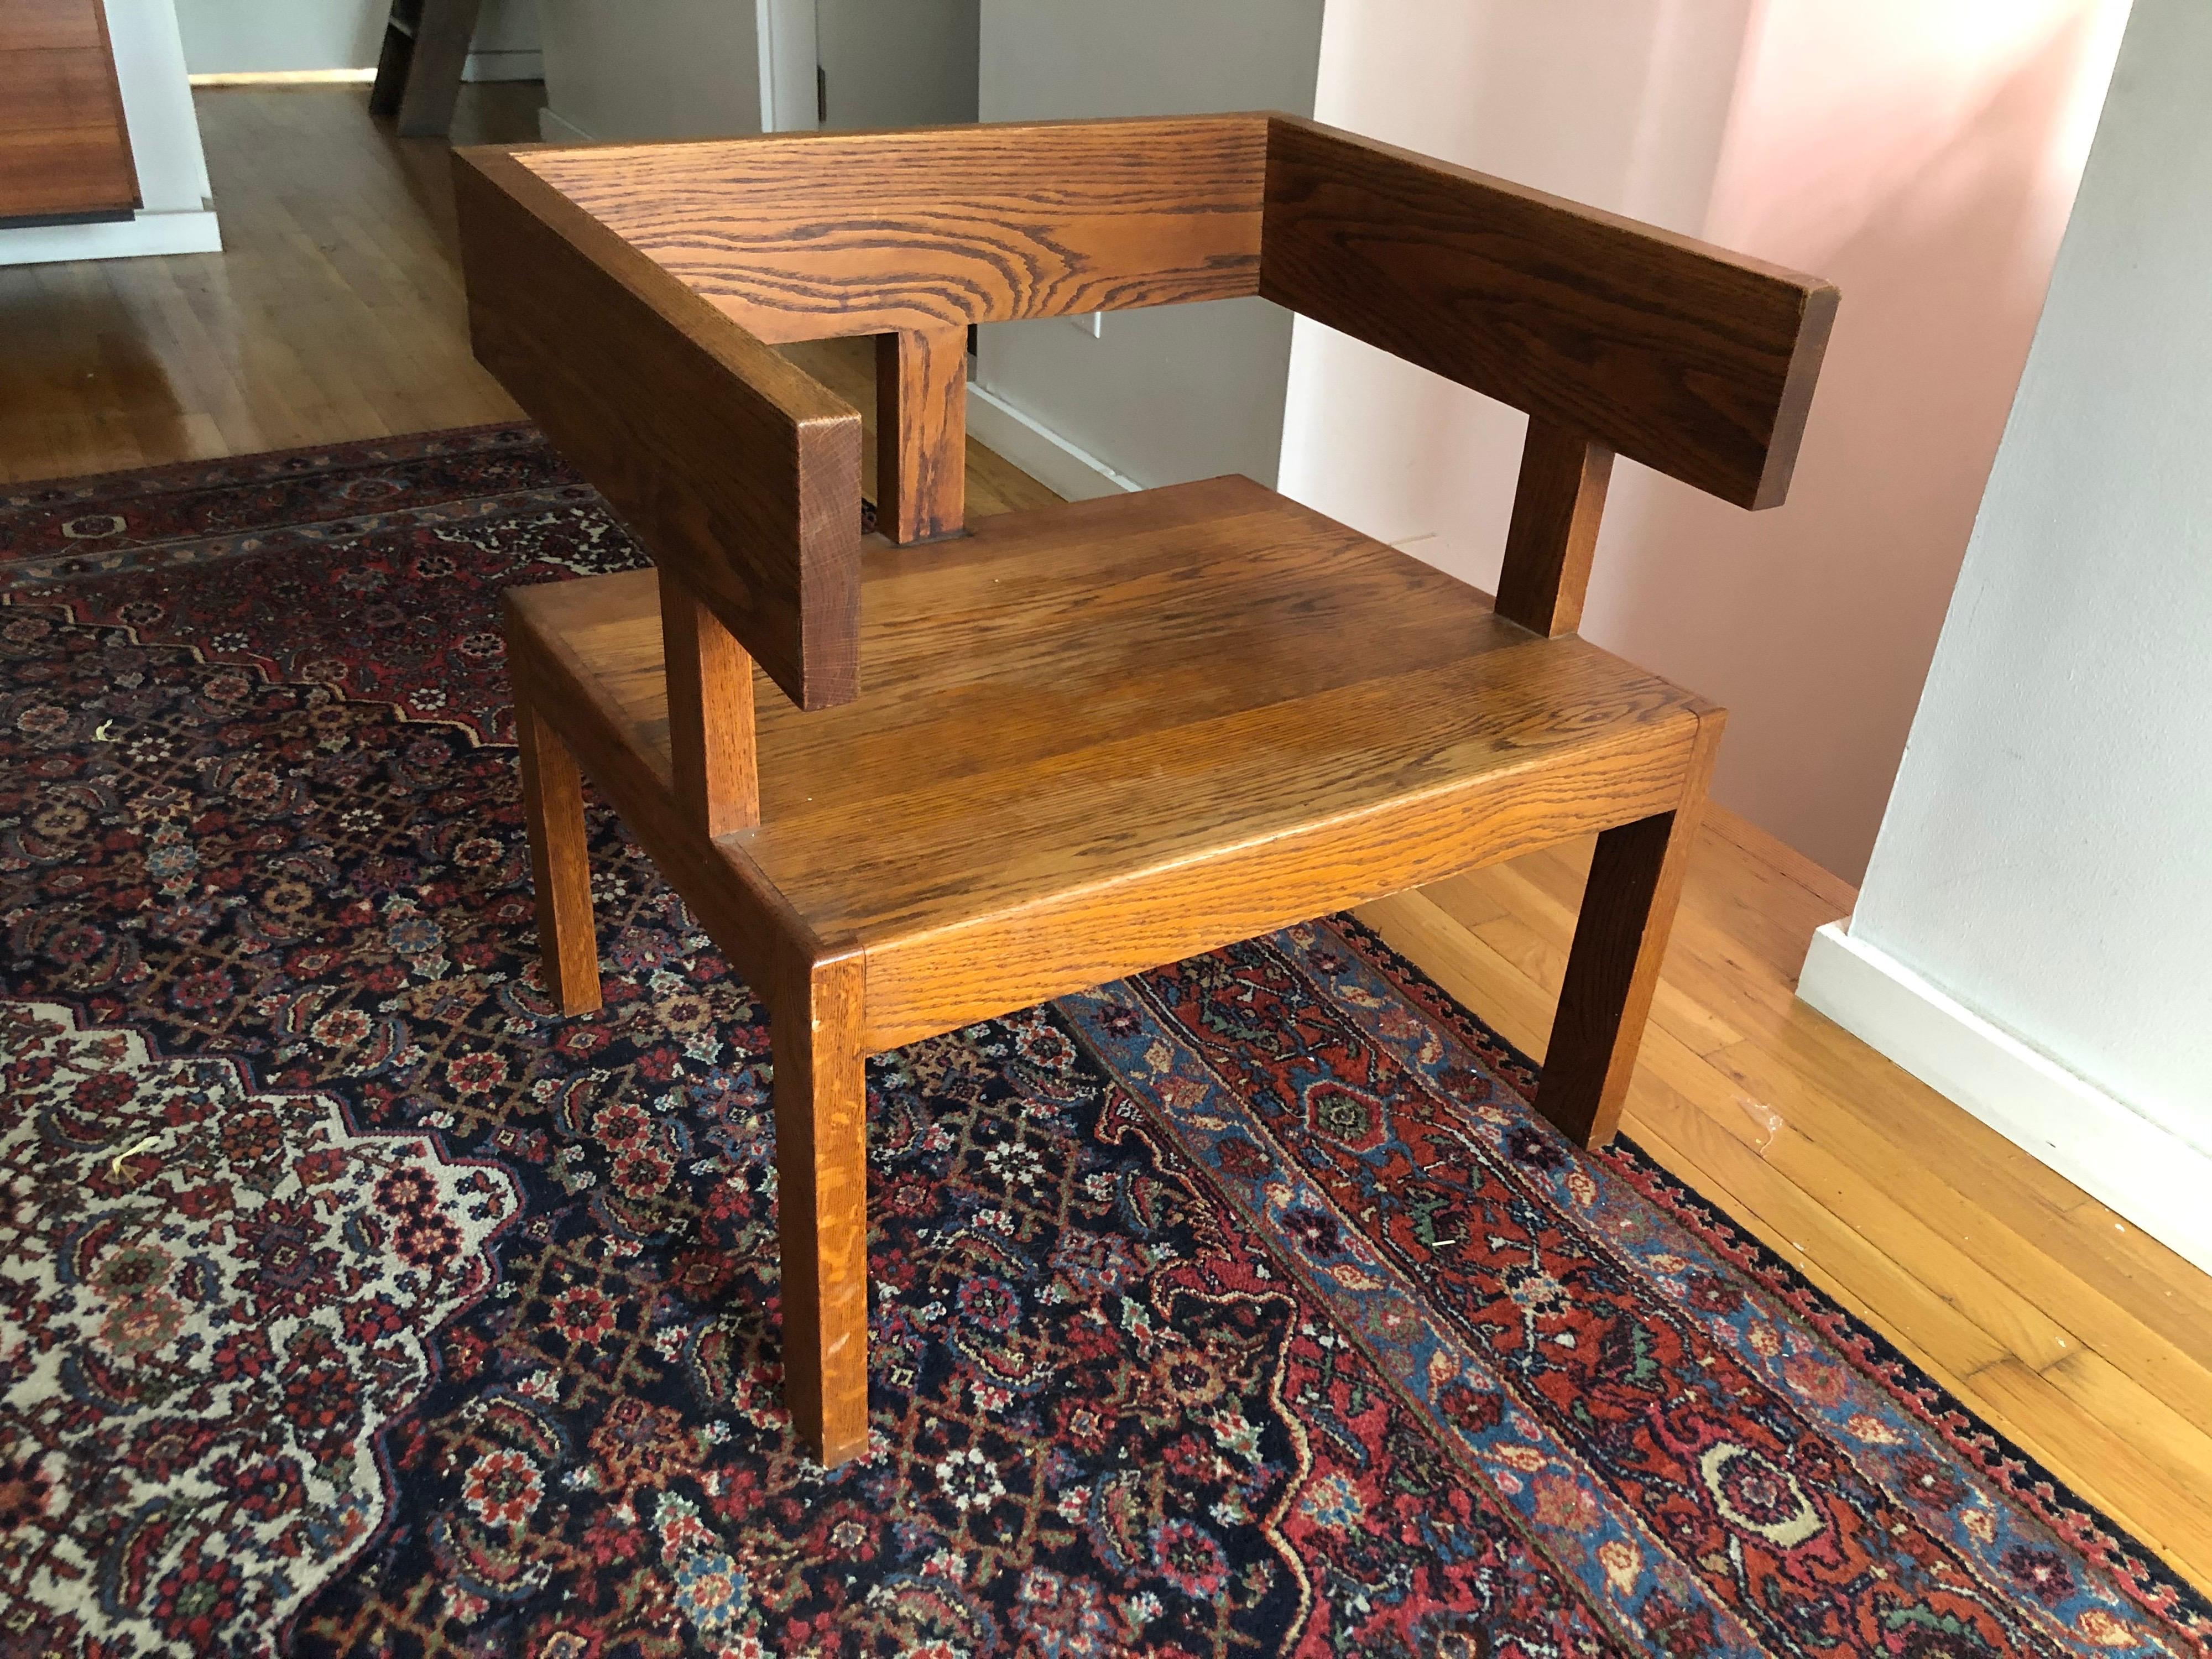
column 1079, row 742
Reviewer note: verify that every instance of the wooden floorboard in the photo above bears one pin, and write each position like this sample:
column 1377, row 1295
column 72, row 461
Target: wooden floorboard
column 336, row 314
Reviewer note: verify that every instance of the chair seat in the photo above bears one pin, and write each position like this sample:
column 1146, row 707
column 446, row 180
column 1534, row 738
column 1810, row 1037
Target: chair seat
column 1100, row 736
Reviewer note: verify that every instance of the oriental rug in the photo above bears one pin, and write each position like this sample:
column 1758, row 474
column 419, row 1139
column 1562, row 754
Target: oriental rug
column 352, row 1301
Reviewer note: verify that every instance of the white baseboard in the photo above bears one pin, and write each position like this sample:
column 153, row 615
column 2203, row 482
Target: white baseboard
column 500, row 64
column 553, row 129
column 145, row 234
column 2135, row 1167
column 311, row 77
column 1039, row 451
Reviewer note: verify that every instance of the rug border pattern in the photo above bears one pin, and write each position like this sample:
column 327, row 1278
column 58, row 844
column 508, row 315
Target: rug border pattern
column 1992, row 1454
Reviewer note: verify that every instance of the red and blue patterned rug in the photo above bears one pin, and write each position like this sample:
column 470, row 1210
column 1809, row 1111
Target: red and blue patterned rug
column 351, row 1301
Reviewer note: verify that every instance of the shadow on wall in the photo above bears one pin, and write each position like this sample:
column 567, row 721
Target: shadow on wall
column 1620, row 103
column 1815, row 623
column 1923, row 157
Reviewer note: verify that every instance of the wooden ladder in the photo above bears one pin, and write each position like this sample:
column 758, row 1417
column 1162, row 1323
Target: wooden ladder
column 418, row 73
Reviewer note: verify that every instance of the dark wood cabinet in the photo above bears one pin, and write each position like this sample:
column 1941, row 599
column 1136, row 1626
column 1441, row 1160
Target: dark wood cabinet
column 64, row 151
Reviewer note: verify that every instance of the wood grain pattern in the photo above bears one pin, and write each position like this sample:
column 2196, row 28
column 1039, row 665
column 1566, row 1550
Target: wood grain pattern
column 710, row 715
column 1621, row 940
column 806, row 235
column 1045, row 806
column 51, row 26
column 821, row 1096
column 922, row 433
column 65, row 147
column 1555, row 509
column 560, row 871
column 990, row 965
column 334, row 312
column 816, row 994
column 733, row 467
column 748, row 920
column 847, row 365
column 126, row 362
column 1692, row 360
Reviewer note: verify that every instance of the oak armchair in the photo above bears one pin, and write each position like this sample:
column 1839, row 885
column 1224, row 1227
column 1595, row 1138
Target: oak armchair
column 984, row 768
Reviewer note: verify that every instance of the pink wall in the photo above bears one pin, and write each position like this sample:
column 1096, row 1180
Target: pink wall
column 1922, row 154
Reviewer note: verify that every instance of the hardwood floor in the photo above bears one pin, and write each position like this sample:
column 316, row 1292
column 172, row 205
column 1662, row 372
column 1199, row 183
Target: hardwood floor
column 335, row 311
column 338, row 314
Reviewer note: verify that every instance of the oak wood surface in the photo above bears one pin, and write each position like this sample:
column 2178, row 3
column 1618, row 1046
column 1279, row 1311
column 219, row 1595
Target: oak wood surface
column 1613, row 969
column 553, row 810
column 1690, row 359
column 912, row 235
column 821, row 1099
column 922, row 433
column 335, row 311
column 51, row 25
column 711, row 765
column 849, row 366
column 1062, row 768
column 748, row 920
column 805, row 235
column 64, row 146
column 732, row 466
column 1116, row 734
column 1556, row 508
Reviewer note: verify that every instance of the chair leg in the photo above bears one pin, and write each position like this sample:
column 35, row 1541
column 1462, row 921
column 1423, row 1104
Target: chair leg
column 821, row 1190
column 1613, row 969
column 553, row 805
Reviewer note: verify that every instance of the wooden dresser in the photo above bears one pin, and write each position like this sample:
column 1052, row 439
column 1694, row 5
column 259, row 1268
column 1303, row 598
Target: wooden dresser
column 64, row 151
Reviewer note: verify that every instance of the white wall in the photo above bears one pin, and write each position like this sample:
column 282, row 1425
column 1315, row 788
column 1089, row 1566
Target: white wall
column 1174, row 393
column 176, row 216
column 1394, row 450
column 1921, row 155
column 898, row 62
column 2046, row 858
column 652, row 69
column 689, row 68
column 238, row 37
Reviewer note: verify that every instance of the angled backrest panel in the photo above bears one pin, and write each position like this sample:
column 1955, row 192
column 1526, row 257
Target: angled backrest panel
column 740, row 474
column 808, row 236
column 1689, row 359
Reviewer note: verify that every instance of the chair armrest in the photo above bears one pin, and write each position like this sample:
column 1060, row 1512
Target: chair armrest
column 807, row 235
column 737, row 471
column 1693, row 360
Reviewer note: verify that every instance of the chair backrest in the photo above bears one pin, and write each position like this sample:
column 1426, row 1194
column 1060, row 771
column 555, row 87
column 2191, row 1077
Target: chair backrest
column 1695, row 361
column 625, row 294
column 810, row 235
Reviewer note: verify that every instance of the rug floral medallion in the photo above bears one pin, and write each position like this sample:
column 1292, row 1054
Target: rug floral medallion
column 353, row 1301
column 216, row 1301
